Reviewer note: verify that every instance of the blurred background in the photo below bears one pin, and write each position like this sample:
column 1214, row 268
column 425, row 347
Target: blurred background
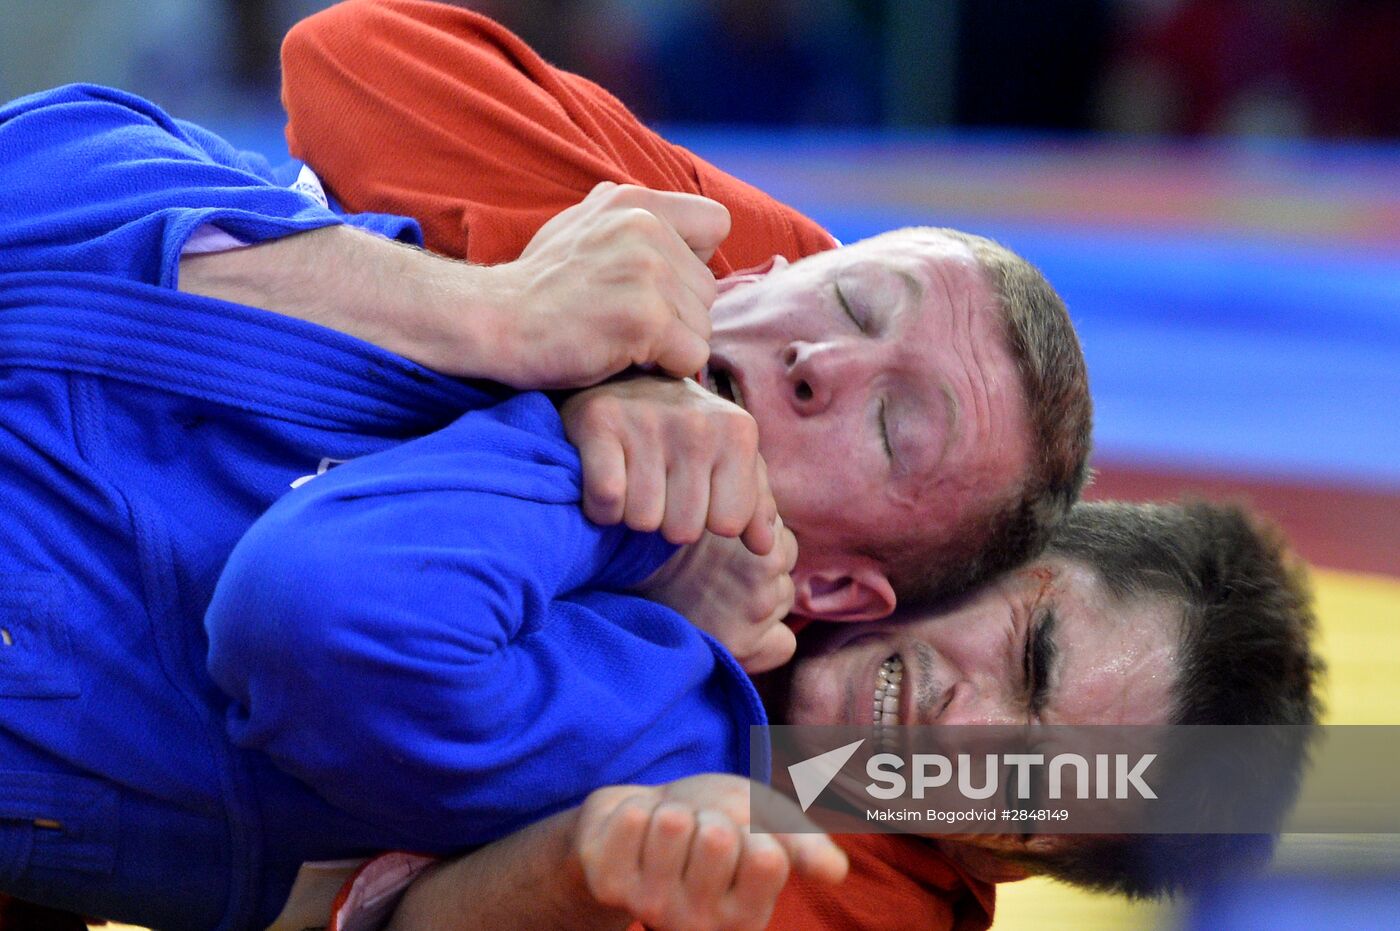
column 1278, row 69
column 1214, row 186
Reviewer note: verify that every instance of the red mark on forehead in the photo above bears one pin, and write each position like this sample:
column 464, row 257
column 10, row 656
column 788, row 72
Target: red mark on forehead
column 1045, row 577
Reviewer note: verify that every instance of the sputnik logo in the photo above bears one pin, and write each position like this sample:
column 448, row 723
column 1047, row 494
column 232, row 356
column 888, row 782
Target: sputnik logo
column 811, row 777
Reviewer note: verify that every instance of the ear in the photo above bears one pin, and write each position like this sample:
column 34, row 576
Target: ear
column 848, row 593
column 749, row 275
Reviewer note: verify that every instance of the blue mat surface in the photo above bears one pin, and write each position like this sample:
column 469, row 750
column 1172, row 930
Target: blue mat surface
column 1264, row 353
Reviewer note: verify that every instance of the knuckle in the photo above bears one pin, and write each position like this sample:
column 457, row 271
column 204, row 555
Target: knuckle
column 697, row 430
column 774, row 562
column 766, row 603
column 674, row 821
column 599, row 413
column 632, row 818
column 717, row 840
column 603, row 800
column 786, row 593
column 768, row 865
column 609, row 887
column 743, row 432
column 607, row 493
column 682, row 532
column 637, row 221
column 727, row 524
column 644, row 520
column 626, row 193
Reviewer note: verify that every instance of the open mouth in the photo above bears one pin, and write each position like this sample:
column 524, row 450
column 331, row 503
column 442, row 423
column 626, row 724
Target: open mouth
column 888, row 679
column 722, row 383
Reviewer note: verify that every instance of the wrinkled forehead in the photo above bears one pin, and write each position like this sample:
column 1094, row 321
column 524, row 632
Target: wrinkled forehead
column 1126, row 649
column 915, row 249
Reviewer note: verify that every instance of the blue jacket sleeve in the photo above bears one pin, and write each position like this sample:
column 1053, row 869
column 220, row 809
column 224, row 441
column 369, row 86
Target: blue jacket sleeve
column 97, row 180
column 432, row 638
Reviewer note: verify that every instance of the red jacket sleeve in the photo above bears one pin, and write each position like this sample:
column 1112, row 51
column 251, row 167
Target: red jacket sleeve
column 896, row 881
column 436, row 112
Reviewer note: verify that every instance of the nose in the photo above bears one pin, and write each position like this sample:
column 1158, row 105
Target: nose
column 817, row 373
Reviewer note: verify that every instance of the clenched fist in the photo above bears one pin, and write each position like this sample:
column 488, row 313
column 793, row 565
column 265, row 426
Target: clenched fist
column 736, row 597
column 680, row 857
column 665, row 454
column 615, row 281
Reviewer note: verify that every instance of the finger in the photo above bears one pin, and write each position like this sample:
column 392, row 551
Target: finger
column 775, row 647
column 646, row 487
column 667, row 845
column 700, row 222
column 600, row 189
column 788, row 543
column 761, row 533
column 687, row 501
column 714, row 853
column 734, row 494
column 692, row 311
column 666, row 261
column 762, row 872
column 815, row 856
column 787, row 592
column 611, row 854
column 812, row 853
column 680, row 351
column 693, row 278
column 604, row 480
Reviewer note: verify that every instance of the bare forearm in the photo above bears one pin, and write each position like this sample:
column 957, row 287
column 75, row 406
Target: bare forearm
column 613, row 281
column 531, row 879
column 442, row 314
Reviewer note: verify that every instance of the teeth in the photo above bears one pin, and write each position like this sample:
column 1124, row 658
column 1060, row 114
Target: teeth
column 885, row 706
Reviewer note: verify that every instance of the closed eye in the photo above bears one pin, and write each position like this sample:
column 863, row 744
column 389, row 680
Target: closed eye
column 885, row 433
column 1037, row 659
column 846, row 307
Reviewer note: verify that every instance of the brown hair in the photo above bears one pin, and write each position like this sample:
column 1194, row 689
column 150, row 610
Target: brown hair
column 1245, row 658
column 1055, row 382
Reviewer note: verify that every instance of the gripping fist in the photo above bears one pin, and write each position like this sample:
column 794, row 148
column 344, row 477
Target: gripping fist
column 736, row 597
column 680, row 857
column 615, row 281
column 662, row 453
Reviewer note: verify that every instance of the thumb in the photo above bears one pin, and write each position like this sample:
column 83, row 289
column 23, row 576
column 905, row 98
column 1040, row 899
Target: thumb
column 701, row 222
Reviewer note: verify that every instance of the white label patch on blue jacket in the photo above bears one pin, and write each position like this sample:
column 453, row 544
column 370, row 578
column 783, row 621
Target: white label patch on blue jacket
column 307, row 183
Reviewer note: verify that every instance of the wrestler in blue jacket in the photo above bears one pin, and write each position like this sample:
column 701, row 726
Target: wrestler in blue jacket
column 143, row 430
column 437, row 640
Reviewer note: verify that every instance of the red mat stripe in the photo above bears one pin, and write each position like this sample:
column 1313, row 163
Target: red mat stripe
column 1351, row 529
